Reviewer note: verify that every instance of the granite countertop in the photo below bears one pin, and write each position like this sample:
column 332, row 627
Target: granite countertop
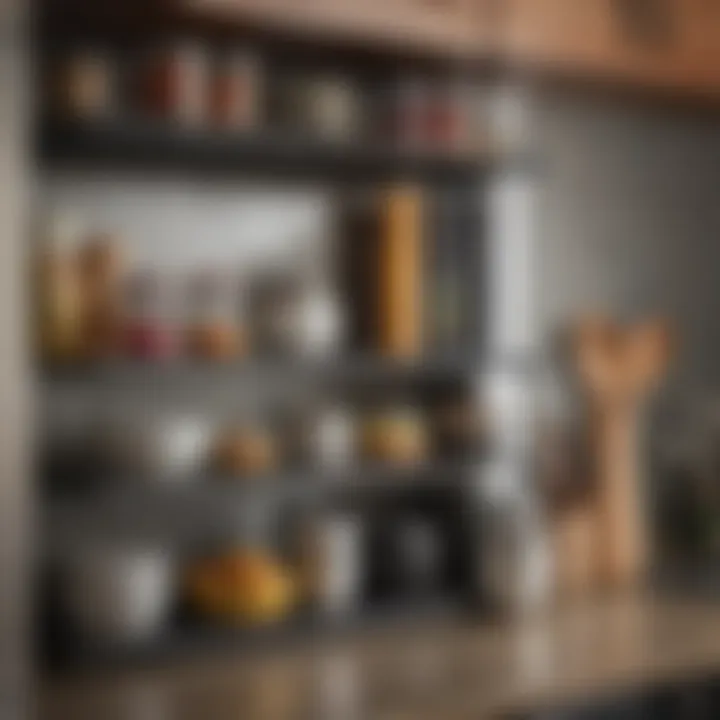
column 439, row 672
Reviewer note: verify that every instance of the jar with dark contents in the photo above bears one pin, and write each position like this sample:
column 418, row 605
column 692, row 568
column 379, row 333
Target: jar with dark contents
column 213, row 332
column 404, row 113
column 448, row 117
column 83, row 85
column 150, row 323
column 172, row 83
column 236, row 92
column 478, row 108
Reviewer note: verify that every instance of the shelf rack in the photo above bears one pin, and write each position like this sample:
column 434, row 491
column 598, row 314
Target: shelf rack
column 130, row 143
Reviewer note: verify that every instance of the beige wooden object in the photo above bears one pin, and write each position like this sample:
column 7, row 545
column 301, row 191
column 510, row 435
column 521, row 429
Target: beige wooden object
column 400, row 273
column 619, row 367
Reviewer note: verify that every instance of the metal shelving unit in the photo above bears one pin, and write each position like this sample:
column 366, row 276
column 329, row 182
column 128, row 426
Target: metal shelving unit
column 129, row 142
column 188, row 509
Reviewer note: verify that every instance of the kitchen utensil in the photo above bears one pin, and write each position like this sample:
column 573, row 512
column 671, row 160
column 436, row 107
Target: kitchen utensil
column 618, row 367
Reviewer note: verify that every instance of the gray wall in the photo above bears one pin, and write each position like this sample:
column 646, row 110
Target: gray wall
column 629, row 219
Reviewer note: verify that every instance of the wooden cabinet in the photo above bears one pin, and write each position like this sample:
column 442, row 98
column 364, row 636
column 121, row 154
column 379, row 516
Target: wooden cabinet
column 449, row 26
column 656, row 43
column 665, row 44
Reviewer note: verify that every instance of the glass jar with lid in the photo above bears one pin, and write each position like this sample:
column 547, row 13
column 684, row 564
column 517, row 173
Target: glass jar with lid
column 151, row 331
column 213, row 332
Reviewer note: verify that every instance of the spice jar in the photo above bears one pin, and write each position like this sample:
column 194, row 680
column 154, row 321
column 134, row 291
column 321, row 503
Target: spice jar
column 59, row 299
column 101, row 269
column 319, row 324
column 212, row 333
column 333, row 438
column 323, row 436
column 325, row 106
column 150, row 322
column 459, row 428
column 272, row 308
column 405, row 113
column 83, row 86
column 448, row 118
column 173, row 83
column 396, row 435
column 332, row 562
column 153, row 447
column 247, row 449
column 235, row 94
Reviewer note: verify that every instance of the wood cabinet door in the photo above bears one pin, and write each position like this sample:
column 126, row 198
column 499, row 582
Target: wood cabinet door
column 563, row 34
column 696, row 63
column 449, row 25
column 658, row 43
column 653, row 43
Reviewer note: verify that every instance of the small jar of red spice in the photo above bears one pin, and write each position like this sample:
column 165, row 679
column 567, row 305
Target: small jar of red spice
column 173, row 82
column 150, row 327
column 235, row 98
column 448, row 117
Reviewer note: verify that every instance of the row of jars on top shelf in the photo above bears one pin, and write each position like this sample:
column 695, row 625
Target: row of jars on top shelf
column 188, row 83
column 92, row 306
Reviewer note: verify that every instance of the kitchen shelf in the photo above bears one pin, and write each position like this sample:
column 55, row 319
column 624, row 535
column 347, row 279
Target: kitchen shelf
column 187, row 638
column 184, row 514
column 123, row 373
column 147, row 145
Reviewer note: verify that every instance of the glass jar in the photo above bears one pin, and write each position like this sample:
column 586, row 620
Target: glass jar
column 84, row 85
column 58, row 287
column 319, row 321
column 448, row 125
column 150, row 317
column 246, row 449
column 396, row 435
column 102, row 267
column 236, row 92
column 273, row 301
column 212, row 332
column 173, row 83
column 406, row 107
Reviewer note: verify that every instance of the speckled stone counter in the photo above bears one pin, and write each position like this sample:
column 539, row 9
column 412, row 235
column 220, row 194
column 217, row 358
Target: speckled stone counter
column 439, row 671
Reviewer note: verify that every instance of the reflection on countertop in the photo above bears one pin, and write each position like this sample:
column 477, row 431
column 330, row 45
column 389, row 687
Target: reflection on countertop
column 439, row 672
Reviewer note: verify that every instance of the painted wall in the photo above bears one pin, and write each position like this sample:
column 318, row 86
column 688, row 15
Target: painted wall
column 629, row 220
